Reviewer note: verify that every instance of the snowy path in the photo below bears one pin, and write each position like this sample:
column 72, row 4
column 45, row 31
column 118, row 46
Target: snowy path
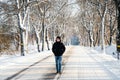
column 79, row 63
column 38, row 67
column 86, row 64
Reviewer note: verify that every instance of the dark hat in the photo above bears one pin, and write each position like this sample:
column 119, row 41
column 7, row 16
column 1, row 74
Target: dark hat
column 58, row 37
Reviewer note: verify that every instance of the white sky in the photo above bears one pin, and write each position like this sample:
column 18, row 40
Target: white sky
column 3, row 0
column 74, row 7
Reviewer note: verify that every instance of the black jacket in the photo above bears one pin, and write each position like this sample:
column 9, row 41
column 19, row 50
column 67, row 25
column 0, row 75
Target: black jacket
column 58, row 48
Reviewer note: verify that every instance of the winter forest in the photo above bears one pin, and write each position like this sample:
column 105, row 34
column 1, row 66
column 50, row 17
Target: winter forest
column 27, row 24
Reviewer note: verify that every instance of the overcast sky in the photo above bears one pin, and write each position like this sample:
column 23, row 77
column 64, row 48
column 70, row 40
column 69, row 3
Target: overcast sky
column 3, row 0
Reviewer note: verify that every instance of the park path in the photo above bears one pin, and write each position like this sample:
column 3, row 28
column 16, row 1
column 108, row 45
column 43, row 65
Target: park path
column 79, row 63
column 86, row 64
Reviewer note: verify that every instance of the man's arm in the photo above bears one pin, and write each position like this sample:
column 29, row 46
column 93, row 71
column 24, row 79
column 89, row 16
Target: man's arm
column 53, row 48
column 63, row 48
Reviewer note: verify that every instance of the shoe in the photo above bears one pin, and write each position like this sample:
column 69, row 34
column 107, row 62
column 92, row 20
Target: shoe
column 60, row 72
column 57, row 72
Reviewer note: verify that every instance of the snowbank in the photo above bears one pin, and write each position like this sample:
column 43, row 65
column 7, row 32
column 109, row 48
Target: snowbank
column 7, row 60
column 109, row 50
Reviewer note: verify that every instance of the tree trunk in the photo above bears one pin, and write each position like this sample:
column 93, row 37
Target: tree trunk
column 46, row 37
column 90, row 38
column 20, row 25
column 99, row 36
column 22, row 15
column 103, row 28
column 111, row 29
column 27, row 29
column 37, row 41
column 53, row 33
column 43, row 29
column 43, row 35
column 117, row 3
column 110, row 42
column 21, row 37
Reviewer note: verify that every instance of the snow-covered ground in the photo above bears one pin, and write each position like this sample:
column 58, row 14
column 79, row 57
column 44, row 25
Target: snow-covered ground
column 8, row 61
column 15, row 61
column 30, row 55
column 89, row 64
column 110, row 50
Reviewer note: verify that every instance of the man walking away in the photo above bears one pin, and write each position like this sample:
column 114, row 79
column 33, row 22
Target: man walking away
column 58, row 49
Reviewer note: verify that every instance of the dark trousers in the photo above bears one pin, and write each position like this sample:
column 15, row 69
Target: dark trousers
column 58, row 60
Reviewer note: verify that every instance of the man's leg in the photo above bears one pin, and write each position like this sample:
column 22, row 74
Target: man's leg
column 57, row 63
column 60, row 63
